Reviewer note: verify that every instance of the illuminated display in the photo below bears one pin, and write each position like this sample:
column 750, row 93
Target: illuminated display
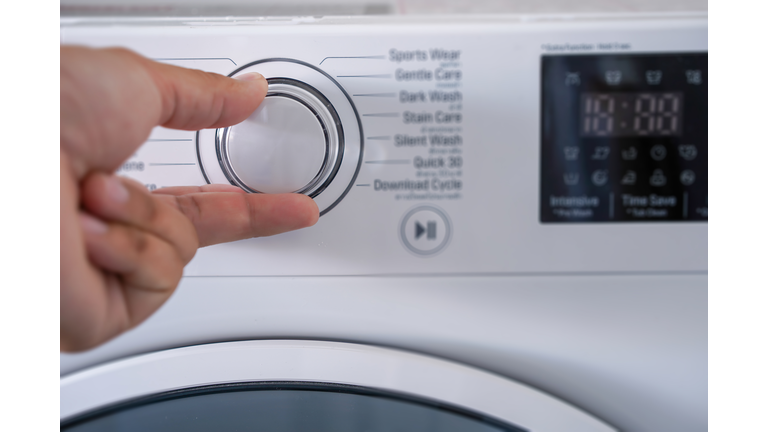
column 631, row 114
column 624, row 138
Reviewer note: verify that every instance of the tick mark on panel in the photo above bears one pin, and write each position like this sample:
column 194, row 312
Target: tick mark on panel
column 365, row 76
column 377, row 57
column 390, row 161
column 375, row 95
column 382, row 115
column 168, row 140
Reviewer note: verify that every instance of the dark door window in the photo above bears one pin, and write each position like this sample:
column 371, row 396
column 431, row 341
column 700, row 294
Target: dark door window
column 284, row 407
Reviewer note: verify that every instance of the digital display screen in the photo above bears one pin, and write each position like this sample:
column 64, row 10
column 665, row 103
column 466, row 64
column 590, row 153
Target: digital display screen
column 631, row 114
column 624, row 138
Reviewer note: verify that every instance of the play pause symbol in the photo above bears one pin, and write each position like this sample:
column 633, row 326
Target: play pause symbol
column 431, row 230
column 425, row 230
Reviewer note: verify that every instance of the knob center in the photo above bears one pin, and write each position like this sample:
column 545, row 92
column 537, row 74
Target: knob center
column 282, row 147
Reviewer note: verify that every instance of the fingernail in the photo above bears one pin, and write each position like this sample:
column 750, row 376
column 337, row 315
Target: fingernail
column 116, row 190
column 250, row 76
column 92, row 225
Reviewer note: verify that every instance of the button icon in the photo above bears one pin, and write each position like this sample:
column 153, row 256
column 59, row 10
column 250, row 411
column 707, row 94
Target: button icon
column 572, row 79
column 600, row 177
column 629, row 154
column 431, row 230
column 687, row 177
column 687, row 151
column 613, row 77
column 653, row 77
column 694, row 76
column 601, row 153
column 658, row 178
column 571, row 179
column 658, row 152
column 630, row 178
column 425, row 230
column 571, row 153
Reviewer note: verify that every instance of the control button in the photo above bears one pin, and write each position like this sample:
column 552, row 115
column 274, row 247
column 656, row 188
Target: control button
column 629, row 154
column 601, row 153
column 289, row 144
column 658, row 152
column 306, row 137
column 613, row 77
column 658, row 178
column 600, row 177
column 571, row 153
column 687, row 177
column 653, row 77
column 572, row 79
column 425, row 230
column 694, row 76
column 630, row 178
column 279, row 148
column 687, row 151
column 571, row 179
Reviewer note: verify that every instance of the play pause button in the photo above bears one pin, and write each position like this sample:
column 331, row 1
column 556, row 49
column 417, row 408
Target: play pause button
column 425, row 230
column 431, row 230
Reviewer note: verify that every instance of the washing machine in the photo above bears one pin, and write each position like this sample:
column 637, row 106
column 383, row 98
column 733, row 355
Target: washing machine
column 513, row 230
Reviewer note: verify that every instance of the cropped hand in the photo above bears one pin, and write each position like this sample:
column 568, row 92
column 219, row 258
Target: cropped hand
column 123, row 248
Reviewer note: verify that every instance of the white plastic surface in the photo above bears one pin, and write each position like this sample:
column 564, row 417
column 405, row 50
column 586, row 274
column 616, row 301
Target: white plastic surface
column 493, row 206
column 280, row 148
column 609, row 317
column 632, row 350
column 326, row 362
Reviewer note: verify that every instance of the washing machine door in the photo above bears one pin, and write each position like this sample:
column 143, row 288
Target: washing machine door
column 282, row 386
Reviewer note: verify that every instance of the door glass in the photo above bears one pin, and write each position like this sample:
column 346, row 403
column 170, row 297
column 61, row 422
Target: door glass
column 281, row 407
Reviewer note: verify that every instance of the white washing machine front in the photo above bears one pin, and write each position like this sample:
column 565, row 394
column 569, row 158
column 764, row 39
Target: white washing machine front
column 514, row 202
column 283, row 385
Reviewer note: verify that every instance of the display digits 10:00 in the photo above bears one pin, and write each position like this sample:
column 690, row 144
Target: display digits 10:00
column 631, row 114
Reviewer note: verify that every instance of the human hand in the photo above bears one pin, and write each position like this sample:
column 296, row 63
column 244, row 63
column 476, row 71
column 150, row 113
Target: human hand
column 123, row 248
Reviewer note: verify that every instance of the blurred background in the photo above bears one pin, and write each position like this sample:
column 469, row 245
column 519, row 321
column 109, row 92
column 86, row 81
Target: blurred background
column 367, row 7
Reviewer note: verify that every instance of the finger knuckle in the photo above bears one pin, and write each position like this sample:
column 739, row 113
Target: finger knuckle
column 151, row 209
column 189, row 206
column 169, row 277
column 189, row 241
column 139, row 241
column 161, row 268
column 252, row 214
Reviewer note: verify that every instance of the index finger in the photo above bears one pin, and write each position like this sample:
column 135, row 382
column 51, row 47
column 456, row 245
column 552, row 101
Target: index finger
column 112, row 98
column 220, row 217
column 192, row 99
column 183, row 190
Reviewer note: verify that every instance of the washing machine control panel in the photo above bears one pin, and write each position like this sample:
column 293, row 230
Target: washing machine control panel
column 449, row 148
column 304, row 138
column 281, row 148
column 624, row 138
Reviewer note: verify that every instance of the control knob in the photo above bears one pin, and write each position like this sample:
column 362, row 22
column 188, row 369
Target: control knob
column 305, row 137
column 293, row 142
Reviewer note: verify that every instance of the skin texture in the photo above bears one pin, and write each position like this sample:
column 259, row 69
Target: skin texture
column 123, row 249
